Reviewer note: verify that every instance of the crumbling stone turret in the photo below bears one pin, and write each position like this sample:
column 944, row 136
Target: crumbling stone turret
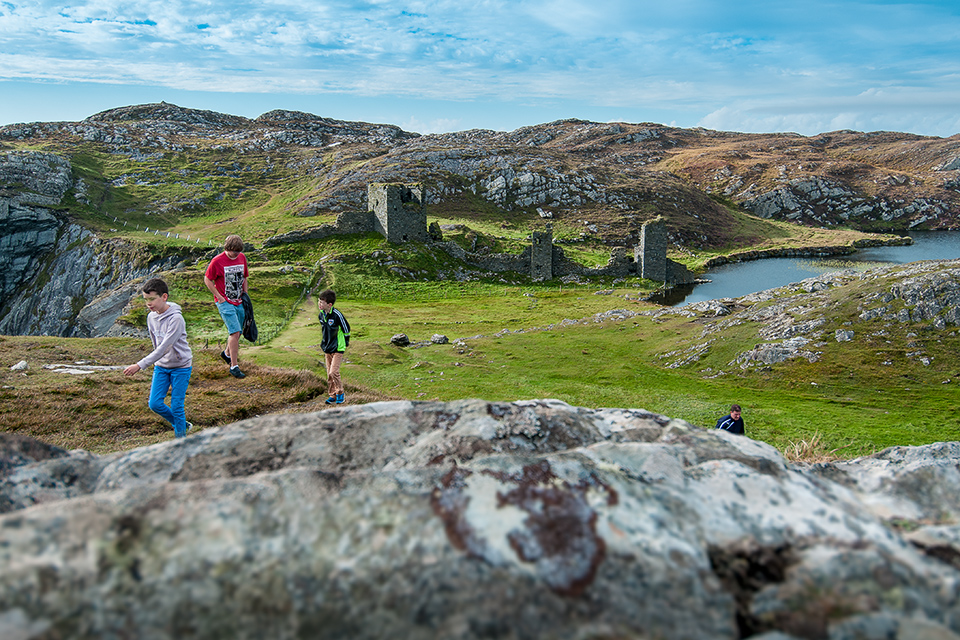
column 651, row 255
column 541, row 255
column 400, row 211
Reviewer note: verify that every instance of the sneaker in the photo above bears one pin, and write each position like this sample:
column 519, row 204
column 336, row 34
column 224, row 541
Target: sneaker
column 331, row 400
column 236, row 373
column 225, row 357
column 189, row 427
column 339, row 398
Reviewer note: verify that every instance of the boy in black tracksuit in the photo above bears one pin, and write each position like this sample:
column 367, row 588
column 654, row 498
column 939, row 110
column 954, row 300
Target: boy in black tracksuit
column 336, row 338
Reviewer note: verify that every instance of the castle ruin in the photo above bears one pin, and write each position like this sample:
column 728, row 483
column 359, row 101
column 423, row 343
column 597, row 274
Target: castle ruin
column 651, row 253
column 541, row 255
column 398, row 213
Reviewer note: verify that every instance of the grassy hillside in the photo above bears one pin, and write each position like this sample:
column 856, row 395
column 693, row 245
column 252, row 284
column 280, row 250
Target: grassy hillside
column 509, row 341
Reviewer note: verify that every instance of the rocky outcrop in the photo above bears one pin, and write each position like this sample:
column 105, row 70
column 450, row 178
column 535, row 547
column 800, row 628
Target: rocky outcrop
column 83, row 286
column 34, row 177
column 60, row 278
column 306, row 129
column 28, row 234
column 30, row 183
column 157, row 125
column 474, row 520
column 794, row 321
column 821, row 202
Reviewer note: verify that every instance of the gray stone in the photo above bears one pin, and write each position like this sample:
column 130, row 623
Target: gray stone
column 713, row 308
column 773, row 353
column 20, row 366
column 400, row 340
column 473, row 519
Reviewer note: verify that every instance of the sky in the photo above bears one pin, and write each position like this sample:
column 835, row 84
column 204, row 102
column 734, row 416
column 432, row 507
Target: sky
column 435, row 66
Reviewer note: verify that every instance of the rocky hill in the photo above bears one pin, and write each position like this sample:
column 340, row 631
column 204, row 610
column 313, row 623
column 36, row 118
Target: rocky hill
column 476, row 520
column 604, row 178
column 66, row 186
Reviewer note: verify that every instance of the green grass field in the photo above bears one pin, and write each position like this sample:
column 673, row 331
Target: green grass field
column 509, row 339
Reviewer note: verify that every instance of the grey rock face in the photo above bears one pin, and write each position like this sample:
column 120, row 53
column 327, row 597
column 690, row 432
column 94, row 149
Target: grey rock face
column 57, row 277
column 29, row 182
column 472, row 519
column 79, row 270
column 28, row 234
column 35, row 177
column 819, row 201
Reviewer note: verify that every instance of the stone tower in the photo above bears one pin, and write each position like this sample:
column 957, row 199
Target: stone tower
column 541, row 255
column 651, row 255
column 400, row 212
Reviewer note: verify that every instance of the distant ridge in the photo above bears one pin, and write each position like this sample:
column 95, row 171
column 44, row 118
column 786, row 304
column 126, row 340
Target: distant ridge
column 603, row 179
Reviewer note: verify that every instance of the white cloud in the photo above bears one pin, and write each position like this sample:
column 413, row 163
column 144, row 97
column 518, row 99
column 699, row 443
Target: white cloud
column 922, row 112
column 745, row 65
column 439, row 125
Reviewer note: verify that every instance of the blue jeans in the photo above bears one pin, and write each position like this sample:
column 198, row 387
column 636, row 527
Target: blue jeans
column 175, row 381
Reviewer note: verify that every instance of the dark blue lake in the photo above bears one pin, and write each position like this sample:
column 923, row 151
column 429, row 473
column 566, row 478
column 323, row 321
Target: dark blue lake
column 741, row 278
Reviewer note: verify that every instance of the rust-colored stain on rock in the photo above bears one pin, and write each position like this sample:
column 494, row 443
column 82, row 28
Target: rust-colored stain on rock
column 559, row 535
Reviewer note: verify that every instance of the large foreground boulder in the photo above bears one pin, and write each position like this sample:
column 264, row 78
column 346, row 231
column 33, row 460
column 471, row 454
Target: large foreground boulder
column 477, row 520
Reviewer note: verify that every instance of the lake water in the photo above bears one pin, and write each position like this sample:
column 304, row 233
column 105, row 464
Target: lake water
column 742, row 278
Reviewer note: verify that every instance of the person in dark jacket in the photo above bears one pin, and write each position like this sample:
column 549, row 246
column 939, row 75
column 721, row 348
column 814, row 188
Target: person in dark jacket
column 733, row 422
column 336, row 338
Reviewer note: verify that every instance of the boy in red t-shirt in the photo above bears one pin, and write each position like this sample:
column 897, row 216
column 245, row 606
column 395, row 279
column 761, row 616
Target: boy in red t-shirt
column 226, row 278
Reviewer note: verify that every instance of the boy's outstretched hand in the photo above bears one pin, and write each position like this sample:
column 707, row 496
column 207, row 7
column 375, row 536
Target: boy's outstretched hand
column 132, row 369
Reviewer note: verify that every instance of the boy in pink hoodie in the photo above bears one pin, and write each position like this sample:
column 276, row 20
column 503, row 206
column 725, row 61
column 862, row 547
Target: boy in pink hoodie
column 171, row 357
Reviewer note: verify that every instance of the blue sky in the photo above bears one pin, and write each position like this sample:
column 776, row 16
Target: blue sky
column 448, row 65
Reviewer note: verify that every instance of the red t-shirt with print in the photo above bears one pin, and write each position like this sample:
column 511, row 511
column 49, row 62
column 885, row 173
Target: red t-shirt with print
column 228, row 276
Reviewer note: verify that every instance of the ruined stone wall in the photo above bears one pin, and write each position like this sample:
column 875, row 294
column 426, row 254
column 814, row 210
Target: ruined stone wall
column 348, row 222
column 400, row 211
column 620, row 265
column 496, row 262
column 678, row 273
column 541, row 255
column 399, row 214
column 651, row 255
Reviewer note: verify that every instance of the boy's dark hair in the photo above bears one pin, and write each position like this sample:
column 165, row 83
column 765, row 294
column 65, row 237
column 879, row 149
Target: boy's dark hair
column 735, row 407
column 328, row 295
column 155, row 285
column 233, row 243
